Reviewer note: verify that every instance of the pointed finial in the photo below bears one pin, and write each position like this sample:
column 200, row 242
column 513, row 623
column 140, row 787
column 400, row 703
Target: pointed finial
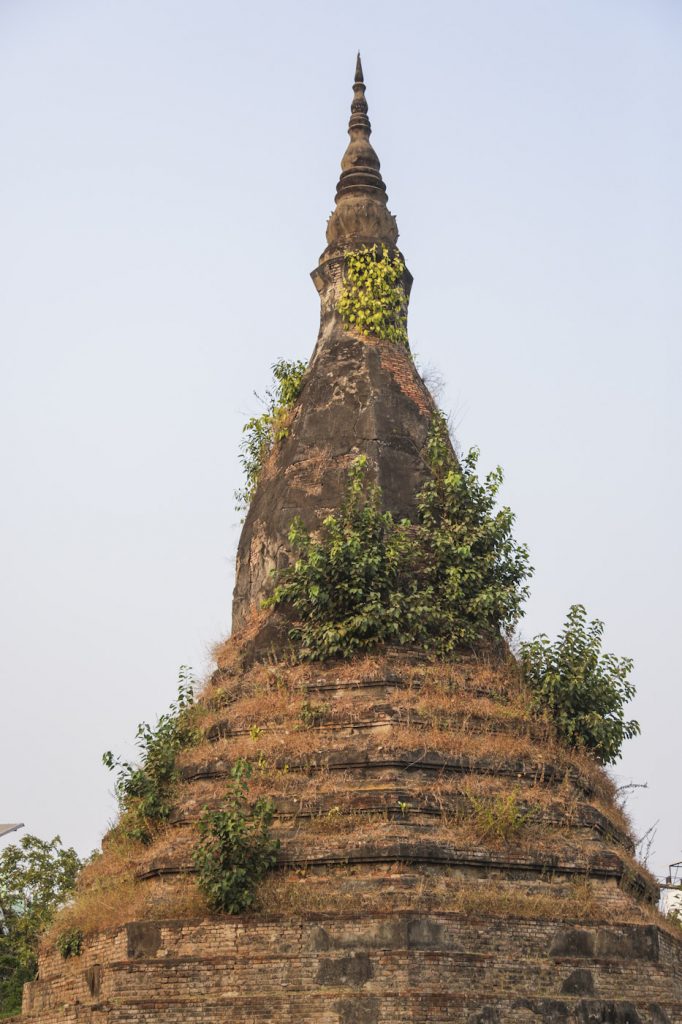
column 360, row 165
column 361, row 215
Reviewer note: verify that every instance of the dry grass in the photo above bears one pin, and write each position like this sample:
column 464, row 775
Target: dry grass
column 110, row 894
column 349, row 890
column 481, row 753
column 118, row 899
column 473, row 713
column 231, row 671
column 666, row 924
column 341, row 891
column 155, row 900
column 424, row 706
column 107, row 894
column 336, row 833
column 455, row 700
column 394, row 792
column 466, row 830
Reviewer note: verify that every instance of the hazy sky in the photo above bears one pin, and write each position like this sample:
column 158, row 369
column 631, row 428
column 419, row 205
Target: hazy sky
column 166, row 173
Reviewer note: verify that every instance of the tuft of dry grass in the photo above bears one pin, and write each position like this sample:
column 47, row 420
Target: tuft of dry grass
column 109, row 894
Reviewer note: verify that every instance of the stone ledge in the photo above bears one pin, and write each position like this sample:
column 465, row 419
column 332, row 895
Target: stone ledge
column 388, row 682
column 602, row 865
column 386, row 802
column 410, row 761
column 385, row 716
column 570, row 941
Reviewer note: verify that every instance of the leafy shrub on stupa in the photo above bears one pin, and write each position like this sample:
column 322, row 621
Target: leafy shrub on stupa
column 70, row 942
column 582, row 690
column 264, row 431
column 235, row 848
column 145, row 788
column 454, row 578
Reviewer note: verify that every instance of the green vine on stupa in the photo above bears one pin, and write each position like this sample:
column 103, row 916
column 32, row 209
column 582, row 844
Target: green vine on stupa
column 373, row 301
column 262, row 432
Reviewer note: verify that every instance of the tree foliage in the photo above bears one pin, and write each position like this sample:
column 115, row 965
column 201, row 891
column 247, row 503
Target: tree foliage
column 583, row 690
column 454, row 578
column 235, row 849
column 471, row 571
column 145, row 788
column 264, row 431
column 373, row 299
column 36, row 877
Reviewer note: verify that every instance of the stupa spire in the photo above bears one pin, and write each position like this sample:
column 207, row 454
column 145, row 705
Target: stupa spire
column 361, row 395
column 360, row 167
column 361, row 215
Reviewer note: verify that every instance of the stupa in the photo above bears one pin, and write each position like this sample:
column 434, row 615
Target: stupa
column 393, row 898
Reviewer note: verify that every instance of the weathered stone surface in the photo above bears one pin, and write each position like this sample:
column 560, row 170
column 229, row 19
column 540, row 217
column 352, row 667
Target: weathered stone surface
column 355, row 969
column 658, row 1016
column 144, row 939
column 359, row 397
column 571, row 942
column 93, row 979
column 579, row 983
column 361, row 214
column 488, row 1015
column 547, row 1011
column 358, row 1011
column 598, row 1012
column 639, row 945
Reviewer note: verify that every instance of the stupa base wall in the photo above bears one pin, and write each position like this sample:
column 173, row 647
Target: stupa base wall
column 379, row 969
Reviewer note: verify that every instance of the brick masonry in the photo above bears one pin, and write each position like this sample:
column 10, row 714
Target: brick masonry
column 386, row 915
column 392, row 968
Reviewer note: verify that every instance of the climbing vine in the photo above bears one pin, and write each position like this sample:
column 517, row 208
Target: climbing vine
column 235, row 849
column 264, row 431
column 373, row 300
column 454, row 578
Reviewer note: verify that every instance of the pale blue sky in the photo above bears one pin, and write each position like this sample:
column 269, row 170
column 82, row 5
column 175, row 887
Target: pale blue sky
column 166, row 173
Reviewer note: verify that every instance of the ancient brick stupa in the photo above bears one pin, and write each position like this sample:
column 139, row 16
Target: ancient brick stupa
column 401, row 892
